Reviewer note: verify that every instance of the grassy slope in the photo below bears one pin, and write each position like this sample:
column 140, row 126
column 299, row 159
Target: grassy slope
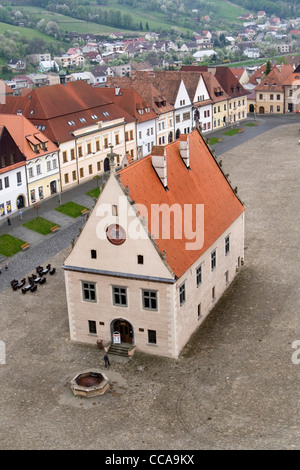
column 226, row 11
column 28, row 33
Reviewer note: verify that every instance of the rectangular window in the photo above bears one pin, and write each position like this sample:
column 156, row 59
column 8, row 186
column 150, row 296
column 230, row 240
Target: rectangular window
column 224, row 107
column 117, row 139
column 151, row 336
column 92, row 327
column 126, row 136
column 90, row 169
column 150, row 299
column 89, row 291
column 97, row 145
column 49, row 166
column 81, row 173
column 98, row 166
column 199, row 311
column 38, row 169
column 213, row 260
column 65, row 157
column 213, row 294
column 227, row 277
column 41, row 192
column 89, row 148
column 278, row 109
column 271, row 97
column 199, row 275
column 120, row 296
column 72, row 154
column 140, row 259
column 131, row 135
column 1, row 187
column 278, row 97
column 6, row 182
column 74, row 175
column 186, row 116
column 80, row 154
column 260, row 96
column 227, row 245
column 19, row 178
column 114, row 209
column 66, row 178
column 106, row 143
column 30, row 172
column 177, row 119
column 182, row 294
column 32, row 195
column 93, row 254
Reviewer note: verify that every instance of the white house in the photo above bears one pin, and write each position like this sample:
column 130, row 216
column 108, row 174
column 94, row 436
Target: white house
column 200, row 55
column 149, row 285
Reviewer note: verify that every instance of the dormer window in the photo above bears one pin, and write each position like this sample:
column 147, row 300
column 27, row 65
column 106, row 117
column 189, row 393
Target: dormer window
column 71, row 123
column 147, row 110
column 105, row 113
column 82, row 119
column 94, row 116
column 140, row 111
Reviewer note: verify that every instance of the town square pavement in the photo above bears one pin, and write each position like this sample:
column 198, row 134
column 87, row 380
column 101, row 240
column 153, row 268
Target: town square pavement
column 236, row 383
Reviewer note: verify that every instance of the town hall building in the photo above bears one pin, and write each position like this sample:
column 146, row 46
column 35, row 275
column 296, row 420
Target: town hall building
column 162, row 244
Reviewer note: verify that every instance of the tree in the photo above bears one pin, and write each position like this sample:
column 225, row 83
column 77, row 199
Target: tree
column 268, row 68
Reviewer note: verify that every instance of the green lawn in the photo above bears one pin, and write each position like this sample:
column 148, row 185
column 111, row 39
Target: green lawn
column 71, row 209
column 251, row 124
column 40, row 225
column 94, row 193
column 9, row 245
column 233, row 132
column 27, row 33
column 213, row 140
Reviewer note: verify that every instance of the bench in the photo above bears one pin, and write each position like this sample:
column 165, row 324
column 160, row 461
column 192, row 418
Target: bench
column 84, row 211
column 54, row 228
column 25, row 246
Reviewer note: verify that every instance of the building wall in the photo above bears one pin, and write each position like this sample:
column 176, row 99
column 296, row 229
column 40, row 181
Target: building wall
column 80, row 312
column 76, row 169
column 270, row 102
column 39, row 185
column 146, row 136
column 164, row 126
column 187, row 320
column 237, row 109
column 220, row 114
column 9, row 195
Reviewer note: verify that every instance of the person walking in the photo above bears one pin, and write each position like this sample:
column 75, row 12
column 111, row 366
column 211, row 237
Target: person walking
column 6, row 265
column 106, row 361
column 20, row 215
column 8, row 221
column 0, row 269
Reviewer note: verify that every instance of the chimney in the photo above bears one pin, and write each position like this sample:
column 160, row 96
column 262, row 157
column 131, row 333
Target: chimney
column 184, row 149
column 117, row 90
column 159, row 163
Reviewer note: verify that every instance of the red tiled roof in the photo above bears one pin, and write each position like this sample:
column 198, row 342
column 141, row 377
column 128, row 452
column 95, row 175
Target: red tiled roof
column 274, row 80
column 203, row 184
column 56, row 105
column 23, row 132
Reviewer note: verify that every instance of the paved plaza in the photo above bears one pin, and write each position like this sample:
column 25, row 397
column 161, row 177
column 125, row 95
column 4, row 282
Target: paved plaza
column 234, row 385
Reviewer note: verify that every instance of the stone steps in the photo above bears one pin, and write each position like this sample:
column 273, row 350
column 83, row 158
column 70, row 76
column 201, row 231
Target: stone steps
column 120, row 349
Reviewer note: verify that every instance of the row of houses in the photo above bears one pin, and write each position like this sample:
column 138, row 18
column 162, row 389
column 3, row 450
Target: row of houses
column 85, row 124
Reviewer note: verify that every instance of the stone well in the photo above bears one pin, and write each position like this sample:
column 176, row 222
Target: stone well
column 89, row 384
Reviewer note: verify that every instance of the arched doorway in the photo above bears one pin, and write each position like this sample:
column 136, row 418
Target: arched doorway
column 20, row 201
column 53, row 187
column 251, row 108
column 106, row 165
column 124, row 328
column 177, row 134
column 261, row 110
column 170, row 137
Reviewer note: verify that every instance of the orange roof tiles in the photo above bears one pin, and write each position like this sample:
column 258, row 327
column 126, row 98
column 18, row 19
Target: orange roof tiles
column 23, row 132
column 203, row 184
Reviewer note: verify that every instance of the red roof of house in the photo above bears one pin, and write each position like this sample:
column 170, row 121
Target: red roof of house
column 56, row 106
column 274, row 80
column 131, row 101
column 23, row 132
column 203, row 184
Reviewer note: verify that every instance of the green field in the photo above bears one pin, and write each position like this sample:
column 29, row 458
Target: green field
column 27, row 33
column 40, row 225
column 66, row 23
column 9, row 245
column 71, row 209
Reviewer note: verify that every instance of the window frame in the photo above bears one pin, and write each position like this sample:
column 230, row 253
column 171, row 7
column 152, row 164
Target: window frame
column 89, row 289
column 150, row 291
column 114, row 293
column 182, row 294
